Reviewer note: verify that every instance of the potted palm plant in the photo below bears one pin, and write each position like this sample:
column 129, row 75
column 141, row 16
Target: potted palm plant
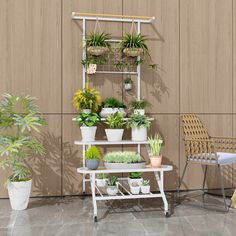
column 92, row 158
column 87, row 123
column 133, row 45
column 86, row 100
column 19, row 117
column 138, row 106
column 115, row 123
column 100, row 180
column 112, row 105
column 128, row 82
column 155, row 147
column 97, row 44
column 112, row 188
column 139, row 124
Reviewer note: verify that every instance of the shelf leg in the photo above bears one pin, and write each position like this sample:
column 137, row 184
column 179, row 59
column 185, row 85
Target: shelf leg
column 84, row 176
column 92, row 182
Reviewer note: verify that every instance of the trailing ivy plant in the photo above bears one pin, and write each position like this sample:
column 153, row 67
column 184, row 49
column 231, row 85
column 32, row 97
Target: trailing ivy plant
column 18, row 118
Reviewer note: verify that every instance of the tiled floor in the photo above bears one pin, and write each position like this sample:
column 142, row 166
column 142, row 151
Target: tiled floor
column 73, row 216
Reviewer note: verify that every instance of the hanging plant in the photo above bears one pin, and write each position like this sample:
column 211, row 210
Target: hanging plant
column 128, row 83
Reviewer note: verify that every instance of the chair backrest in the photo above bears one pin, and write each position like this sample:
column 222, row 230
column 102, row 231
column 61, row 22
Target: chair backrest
column 193, row 127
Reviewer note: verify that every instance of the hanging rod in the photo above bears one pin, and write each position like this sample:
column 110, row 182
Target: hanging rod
column 111, row 17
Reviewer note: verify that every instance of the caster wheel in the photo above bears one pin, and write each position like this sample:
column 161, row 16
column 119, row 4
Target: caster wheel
column 95, row 218
column 167, row 214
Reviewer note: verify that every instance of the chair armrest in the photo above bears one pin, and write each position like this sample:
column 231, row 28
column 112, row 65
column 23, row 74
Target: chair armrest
column 224, row 144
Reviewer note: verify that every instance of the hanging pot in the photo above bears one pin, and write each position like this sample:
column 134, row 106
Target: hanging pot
column 97, row 50
column 128, row 86
column 133, row 52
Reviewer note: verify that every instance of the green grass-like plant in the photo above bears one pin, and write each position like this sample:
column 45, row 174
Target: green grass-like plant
column 86, row 119
column 155, row 145
column 122, row 157
column 100, row 176
column 135, row 175
column 115, row 121
column 138, row 121
column 92, row 153
column 112, row 180
column 98, row 40
column 112, row 102
column 138, row 104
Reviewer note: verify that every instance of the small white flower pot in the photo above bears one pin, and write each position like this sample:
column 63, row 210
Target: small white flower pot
column 139, row 134
column 135, row 189
column 134, row 181
column 112, row 190
column 114, row 135
column 19, row 193
column 139, row 112
column 105, row 112
column 88, row 133
column 145, row 189
column 128, row 87
column 86, row 111
column 92, row 68
column 101, row 183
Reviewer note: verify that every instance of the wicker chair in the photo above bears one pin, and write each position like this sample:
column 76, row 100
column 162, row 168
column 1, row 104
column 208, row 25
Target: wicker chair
column 202, row 149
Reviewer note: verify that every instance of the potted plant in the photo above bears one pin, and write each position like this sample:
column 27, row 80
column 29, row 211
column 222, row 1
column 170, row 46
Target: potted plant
column 86, row 100
column 100, row 180
column 134, row 188
column 112, row 105
column 112, row 188
column 135, row 177
column 92, row 158
column 128, row 82
column 18, row 118
column 133, row 45
column 155, row 146
column 97, row 44
column 115, row 123
column 139, row 124
column 138, row 106
column 145, row 187
column 123, row 160
column 87, row 122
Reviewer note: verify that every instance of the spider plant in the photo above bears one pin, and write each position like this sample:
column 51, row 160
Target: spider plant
column 98, row 40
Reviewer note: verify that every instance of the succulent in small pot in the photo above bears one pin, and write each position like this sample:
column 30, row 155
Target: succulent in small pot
column 138, row 106
column 133, row 45
column 98, row 44
column 128, row 82
column 138, row 124
column 155, row 147
column 92, row 158
column 135, row 177
column 134, row 188
column 112, row 105
column 145, row 187
column 115, row 123
column 87, row 122
column 100, row 180
column 86, row 99
column 112, row 188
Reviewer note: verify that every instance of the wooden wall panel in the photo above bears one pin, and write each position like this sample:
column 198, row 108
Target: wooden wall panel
column 30, row 58
column 206, row 56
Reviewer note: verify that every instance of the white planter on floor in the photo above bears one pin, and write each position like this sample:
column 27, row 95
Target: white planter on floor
column 139, row 134
column 88, row 133
column 114, row 135
column 19, row 193
column 145, row 189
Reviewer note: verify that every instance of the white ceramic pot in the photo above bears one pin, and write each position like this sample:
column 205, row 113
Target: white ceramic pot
column 134, row 181
column 139, row 165
column 101, row 182
column 86, row 111
column 135, row 189
column 105, row 112
column 128, row 87
column 139, row 112
column 114, row 135
column 92, row 68
column 19, row 193
column 112, row 190
column 88, row 133
column 139, row 134
column 145, row 189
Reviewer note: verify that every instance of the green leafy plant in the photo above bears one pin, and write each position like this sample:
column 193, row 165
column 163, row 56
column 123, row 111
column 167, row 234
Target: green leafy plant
column 19, row 117
column 112, row 103
column 138, row 104
column 128, row 80
column 137, row 121
column 93, row 153
column 93, row 60
column 115, row 121
column 112, row 180
column 155, row 145
column 135, row 175
column 122, row 157
column 86, row 119
column 98, row 40
column 86, row 99
column 101, row 176
column 145, row 183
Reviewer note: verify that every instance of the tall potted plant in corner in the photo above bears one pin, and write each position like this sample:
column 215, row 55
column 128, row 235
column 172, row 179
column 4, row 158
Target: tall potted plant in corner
column 86, row 100
column 19, row 117
column 155, row 146
column 87, row 123
column 139, row 124
column 115, row 123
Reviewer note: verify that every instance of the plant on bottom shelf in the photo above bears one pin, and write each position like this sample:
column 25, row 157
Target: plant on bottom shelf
column 92, row 158
column 19, row 117
column 145, row 187
column 155, row 146
column 86, row 100
column 138, row 106
column 134, row 188
column 112, row 188
column 135, row 177
column 100, row 180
